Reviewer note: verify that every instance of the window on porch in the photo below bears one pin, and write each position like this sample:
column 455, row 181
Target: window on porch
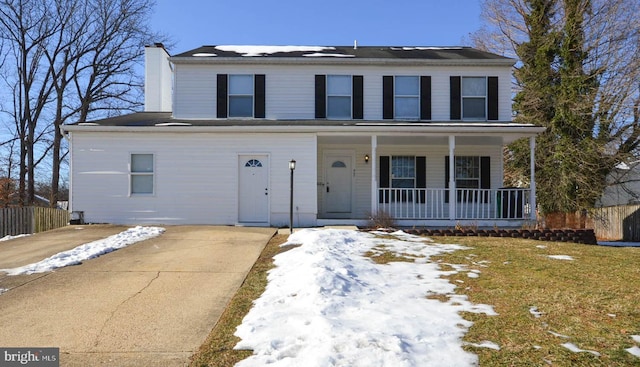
column 471, row 173
column 404, row 174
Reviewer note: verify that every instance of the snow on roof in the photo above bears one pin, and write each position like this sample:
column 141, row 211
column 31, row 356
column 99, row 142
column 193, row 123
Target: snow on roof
column 255, row 50
column 317, row 54
column 421, row 48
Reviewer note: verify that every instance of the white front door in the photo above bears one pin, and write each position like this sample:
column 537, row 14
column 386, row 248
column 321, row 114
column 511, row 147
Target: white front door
column 253, row 193
column 338, row 185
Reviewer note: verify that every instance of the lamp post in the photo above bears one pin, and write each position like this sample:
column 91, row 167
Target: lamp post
column 292, row 167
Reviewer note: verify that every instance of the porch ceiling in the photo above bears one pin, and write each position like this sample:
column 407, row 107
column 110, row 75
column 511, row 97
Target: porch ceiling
column 414, row 139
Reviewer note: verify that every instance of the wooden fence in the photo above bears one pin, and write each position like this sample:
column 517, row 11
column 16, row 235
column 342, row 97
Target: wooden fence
column 29, row 220
column 617, row 223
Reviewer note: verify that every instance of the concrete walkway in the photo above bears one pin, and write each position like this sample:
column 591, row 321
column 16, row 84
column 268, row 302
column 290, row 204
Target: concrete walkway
column 150, row 304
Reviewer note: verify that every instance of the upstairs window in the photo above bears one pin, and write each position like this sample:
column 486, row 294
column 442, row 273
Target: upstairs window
column 241, row 95
column 407, row 98
column 474, row 98
column 339, row 96
column 142, row 171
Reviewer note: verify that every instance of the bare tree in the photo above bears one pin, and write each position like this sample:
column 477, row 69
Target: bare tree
column 74, row 60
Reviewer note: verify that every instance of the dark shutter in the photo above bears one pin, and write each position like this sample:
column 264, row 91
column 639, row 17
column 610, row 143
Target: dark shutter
column 358, row 97
column 387, row 97
column 492, row 98
column 222, row 96
column 421, row 178
column 425, row 98
column 446, row 178
column 384, row 180
column 455, row 104
column 321, row 96
column 259, row 98
column 485, row 176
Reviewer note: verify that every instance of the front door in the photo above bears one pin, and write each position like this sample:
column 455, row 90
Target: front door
column 253, row 192
column 338, row 185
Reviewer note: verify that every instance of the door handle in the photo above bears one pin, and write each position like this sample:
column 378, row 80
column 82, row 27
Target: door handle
column 327, row 188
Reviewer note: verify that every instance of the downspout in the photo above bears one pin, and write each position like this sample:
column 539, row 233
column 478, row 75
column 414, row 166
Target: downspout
column 374, row 177
column 452, row 178
column 532, row 185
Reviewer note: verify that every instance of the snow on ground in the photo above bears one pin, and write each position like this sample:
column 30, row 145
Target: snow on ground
column 88, row 251
column 7, row 238
column 485, row 344
column 561, row 257
column 636, row 338
column 572, row 347
column 326, row 304
column 634, row 350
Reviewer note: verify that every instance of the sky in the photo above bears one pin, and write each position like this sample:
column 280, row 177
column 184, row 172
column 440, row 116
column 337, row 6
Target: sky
column 192, row 23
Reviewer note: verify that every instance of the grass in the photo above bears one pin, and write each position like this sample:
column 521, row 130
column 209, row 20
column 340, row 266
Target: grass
column 594, row 300
column 217, row 350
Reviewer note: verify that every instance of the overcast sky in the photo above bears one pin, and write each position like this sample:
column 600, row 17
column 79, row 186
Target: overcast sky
column 193, row 23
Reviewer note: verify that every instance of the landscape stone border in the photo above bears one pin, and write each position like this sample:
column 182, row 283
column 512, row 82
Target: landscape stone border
column 584, row 236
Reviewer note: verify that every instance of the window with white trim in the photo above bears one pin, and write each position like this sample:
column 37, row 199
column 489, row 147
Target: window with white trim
column 339, row 90
column 467, row 172
column 142, row 172
column 403, row 172
column 407, row 97
column 474, row 98
column 241, row 95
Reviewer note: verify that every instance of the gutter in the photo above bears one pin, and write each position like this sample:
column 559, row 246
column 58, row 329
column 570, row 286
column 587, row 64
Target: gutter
column 355, row 129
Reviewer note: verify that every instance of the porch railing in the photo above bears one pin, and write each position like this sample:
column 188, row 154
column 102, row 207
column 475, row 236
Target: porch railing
column 511, row 203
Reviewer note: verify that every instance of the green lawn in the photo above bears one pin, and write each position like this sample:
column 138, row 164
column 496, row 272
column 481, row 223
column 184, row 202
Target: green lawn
column 593, row 301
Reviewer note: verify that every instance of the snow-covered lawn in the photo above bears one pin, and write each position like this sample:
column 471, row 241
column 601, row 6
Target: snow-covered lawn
column 327, row 304
column 88, row 250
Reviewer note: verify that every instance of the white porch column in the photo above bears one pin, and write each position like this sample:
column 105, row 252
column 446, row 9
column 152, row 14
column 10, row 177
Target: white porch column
column 452, row 177
column 374, row 178
column 532, row 185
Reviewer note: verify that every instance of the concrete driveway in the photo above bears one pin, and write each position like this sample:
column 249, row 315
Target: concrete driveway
column 150, row 304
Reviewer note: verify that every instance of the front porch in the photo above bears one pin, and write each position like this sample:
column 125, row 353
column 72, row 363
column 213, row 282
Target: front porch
column 424, row 178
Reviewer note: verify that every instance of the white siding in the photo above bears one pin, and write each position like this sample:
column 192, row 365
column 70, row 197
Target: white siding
column 290, row 92
column 196, row 177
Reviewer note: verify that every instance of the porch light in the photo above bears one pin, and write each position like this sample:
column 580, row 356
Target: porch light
column 366, row 158
column 292, row 167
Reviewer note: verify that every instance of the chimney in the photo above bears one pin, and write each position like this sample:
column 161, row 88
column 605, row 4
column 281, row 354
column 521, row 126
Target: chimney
column 157, row 79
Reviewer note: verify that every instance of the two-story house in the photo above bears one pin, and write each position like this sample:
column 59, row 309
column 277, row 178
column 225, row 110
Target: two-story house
column 415, row 132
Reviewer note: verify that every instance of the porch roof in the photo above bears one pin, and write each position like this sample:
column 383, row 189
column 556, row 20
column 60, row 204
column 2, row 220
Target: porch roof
column 165, row 122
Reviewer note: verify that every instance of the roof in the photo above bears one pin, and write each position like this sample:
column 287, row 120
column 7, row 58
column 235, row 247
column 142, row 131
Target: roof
column 415, row 53
column 164, row 122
